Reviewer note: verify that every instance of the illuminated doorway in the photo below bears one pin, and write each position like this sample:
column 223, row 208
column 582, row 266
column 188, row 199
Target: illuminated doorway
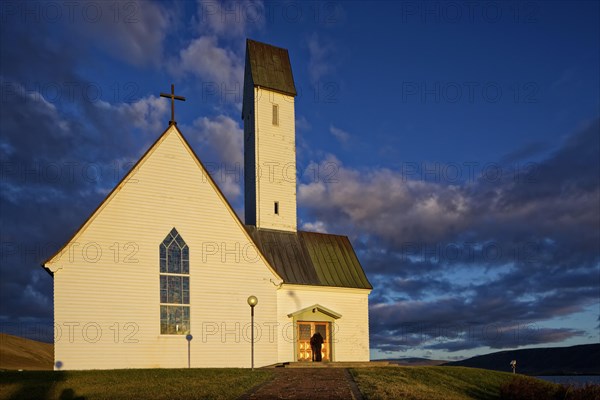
column 306, row 329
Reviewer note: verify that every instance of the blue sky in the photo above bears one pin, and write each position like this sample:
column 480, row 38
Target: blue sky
column 456, row 144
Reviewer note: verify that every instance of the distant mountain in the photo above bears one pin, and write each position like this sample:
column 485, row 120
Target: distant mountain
column 20, row 353
column 414, row 361
column 574, row 360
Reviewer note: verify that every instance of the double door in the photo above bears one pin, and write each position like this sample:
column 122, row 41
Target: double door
column 306, row 330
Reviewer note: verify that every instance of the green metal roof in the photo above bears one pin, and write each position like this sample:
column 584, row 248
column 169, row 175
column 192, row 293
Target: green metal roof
column 270, row 67
column 310, row 258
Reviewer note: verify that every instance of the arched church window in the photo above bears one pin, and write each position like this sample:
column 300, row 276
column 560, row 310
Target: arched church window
column 174, row 285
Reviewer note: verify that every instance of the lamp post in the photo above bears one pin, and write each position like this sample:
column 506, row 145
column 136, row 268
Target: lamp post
column 252, row 302
column 189, row 338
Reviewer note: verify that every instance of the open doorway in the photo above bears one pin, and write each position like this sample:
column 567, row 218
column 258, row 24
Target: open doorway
column 305, row 331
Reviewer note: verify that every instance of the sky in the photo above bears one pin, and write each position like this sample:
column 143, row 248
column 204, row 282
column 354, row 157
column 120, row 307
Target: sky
column 457, row 144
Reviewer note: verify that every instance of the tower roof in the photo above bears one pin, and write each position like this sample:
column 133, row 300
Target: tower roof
column 270, row 67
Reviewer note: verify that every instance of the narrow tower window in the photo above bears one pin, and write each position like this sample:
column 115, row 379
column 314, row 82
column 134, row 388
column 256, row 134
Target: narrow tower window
column 276, row 208
column 275, row 114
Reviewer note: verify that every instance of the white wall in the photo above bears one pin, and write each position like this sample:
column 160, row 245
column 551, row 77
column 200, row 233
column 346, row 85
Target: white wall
column 275, row 153
column 351, row 331
column 97, row 286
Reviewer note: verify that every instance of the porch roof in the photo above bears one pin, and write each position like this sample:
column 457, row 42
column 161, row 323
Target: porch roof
column 317, row 307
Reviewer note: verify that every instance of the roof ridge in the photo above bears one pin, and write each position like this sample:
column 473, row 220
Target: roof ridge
column 265, row 44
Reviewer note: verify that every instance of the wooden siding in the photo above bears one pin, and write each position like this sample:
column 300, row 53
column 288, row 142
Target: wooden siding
column 269, row 141
column 107, row 303
column 274, row 166
column 351, row 331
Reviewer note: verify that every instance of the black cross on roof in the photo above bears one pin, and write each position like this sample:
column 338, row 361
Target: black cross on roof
column 173, row 98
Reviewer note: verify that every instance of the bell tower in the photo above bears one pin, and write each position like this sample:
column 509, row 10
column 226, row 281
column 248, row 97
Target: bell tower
column 269, row 138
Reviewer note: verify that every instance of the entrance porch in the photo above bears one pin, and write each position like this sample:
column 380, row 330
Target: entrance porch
column 309, row 321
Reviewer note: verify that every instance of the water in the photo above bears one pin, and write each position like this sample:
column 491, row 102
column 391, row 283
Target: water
column 575, row 380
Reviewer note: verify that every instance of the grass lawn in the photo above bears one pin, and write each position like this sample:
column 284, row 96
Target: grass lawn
column 429, row 383
column 130, row 384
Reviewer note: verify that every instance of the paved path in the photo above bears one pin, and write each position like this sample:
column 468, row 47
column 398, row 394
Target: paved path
column 307, row 384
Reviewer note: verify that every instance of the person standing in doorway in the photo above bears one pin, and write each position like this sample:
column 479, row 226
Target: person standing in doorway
column 316, row 341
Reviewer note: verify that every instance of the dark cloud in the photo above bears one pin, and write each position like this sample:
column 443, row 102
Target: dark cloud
column 515, row 249
column 461, row 323
column 65, row 139
column 515, row 298
column 455, row 264
column 525, row 153
column 496, row 337
column 59, row 156
column 418, row 288
column 53, row 174
column 133, row 32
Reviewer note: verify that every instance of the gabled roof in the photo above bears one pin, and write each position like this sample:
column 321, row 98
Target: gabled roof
column 270, row 67
column 315, row 308
column 127, row 177
column 309, row 258
column 304, row 258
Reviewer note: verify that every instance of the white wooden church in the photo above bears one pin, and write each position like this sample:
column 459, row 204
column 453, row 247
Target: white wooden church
column 165, row 256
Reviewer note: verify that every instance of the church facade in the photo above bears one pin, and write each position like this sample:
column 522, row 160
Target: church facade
column 159, row 275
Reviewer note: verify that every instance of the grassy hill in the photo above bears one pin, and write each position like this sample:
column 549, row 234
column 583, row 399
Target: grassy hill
column 416, row 383
column 147, row 384
column 430, row 383
column 574, row 360
column 20, row 353
column 415, row 361
column 397, row 382
column 408, row 383
column 461, row 383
